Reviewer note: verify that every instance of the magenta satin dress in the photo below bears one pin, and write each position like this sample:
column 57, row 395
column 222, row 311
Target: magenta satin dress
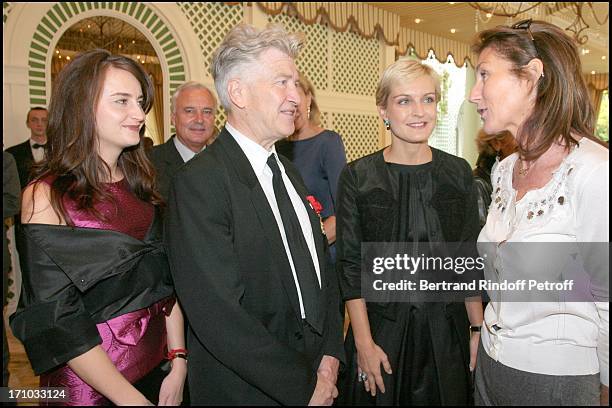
column 135, row 341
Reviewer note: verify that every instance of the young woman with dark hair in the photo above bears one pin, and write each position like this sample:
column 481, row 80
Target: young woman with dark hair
column 97, row 300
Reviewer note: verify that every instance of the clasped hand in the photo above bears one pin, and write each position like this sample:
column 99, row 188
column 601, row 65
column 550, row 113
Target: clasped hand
column 325, row 391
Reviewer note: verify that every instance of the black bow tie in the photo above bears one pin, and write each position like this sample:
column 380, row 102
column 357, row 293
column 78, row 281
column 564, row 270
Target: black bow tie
column 38, row 146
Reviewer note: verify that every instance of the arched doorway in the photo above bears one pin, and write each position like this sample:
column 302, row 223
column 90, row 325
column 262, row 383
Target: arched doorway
column 118, row 37
column 147, row 18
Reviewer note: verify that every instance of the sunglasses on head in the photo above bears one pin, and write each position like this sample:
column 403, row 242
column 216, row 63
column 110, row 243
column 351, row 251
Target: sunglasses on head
column 525, row 25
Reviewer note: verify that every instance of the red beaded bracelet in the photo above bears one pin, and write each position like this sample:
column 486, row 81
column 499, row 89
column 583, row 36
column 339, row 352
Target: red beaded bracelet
column 174, row 353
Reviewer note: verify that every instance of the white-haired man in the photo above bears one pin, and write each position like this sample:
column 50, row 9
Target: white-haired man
column 247, row 250
column 193, row 115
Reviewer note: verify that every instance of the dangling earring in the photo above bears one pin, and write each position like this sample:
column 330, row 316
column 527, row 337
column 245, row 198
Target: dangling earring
column 387, row 124
column 308, row 113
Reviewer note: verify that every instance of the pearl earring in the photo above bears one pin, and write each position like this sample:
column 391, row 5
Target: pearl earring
column 308, row 113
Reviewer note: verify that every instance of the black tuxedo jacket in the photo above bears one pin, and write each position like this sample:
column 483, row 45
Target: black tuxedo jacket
column 246, row 340
column 166, row 160
column 24, row 159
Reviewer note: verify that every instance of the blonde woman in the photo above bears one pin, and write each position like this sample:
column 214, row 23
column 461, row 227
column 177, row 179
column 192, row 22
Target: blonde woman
column 406, row 353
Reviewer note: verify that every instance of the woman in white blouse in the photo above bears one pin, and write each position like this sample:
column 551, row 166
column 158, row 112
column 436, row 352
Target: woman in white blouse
column 548, row 222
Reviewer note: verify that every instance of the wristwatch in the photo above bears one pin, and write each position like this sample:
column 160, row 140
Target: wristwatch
column 475, row 329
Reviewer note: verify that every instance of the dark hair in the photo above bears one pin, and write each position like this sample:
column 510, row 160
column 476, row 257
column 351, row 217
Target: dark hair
column 72, row 155
column 485, row 161
column 36, row 108
column 562, row 106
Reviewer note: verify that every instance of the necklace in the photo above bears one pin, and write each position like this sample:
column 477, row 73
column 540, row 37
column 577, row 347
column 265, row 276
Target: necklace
column 522, row 171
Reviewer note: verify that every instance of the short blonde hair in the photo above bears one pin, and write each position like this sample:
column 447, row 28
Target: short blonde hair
column 241, row 48
column 315, row 112
column 404, row 70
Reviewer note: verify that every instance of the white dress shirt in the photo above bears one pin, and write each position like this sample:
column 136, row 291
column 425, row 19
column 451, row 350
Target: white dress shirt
column 38, row 154
column 553, row 338
column 258, row 157
column 185, row 152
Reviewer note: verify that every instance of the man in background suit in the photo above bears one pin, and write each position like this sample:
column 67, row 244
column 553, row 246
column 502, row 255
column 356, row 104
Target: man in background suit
column 32, row 150
column 247, row 251
column 193, row 115
column 193, row 110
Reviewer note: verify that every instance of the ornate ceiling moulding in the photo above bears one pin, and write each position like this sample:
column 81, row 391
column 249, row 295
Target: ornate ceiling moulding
column 502, row 9
column 370, row 22
column 573, row 10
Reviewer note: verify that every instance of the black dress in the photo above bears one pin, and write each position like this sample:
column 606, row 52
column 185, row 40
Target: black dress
column 427, row 343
